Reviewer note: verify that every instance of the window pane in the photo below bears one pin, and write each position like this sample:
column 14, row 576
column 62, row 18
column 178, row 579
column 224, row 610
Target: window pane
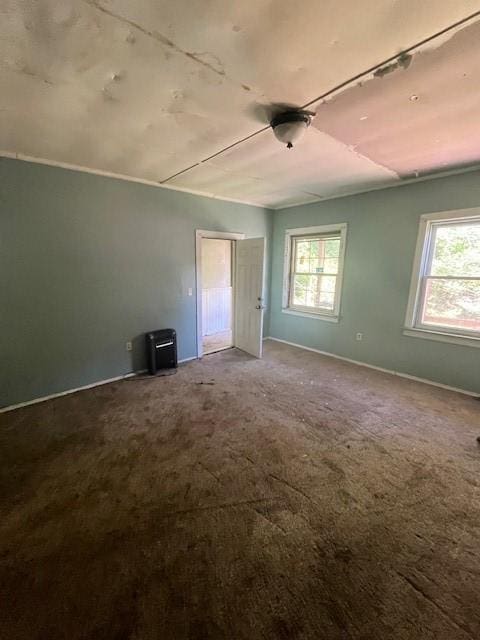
column 302, row 256
column 332, row 247
column 327, row 284
column 457, row 250
column 301, row 290
column 317, row 255
column 314, row 291
column 452, row 303
column 331, row 265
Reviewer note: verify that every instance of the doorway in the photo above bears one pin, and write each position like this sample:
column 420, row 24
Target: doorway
column 229, row 292
column 217, row 294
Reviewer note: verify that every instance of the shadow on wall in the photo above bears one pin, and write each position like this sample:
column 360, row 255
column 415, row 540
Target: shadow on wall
column 138, row 357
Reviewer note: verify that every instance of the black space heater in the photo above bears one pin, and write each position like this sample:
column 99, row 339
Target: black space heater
column 161, row 350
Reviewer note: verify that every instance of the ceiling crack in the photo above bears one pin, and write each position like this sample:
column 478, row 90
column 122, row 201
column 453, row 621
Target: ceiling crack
column 156, row 35
column 206, row 59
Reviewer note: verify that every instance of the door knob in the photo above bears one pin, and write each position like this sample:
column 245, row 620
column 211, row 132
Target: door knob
column 260, row 306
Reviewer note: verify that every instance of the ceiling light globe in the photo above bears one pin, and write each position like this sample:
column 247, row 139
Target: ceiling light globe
column 290, row 133
column 290, row 126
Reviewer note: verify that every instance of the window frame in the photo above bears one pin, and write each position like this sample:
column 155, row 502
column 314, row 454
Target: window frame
column 291, row 235
column 414, row 327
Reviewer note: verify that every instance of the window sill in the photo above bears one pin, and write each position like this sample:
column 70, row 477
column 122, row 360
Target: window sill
column 440, row 336
column 315, row 316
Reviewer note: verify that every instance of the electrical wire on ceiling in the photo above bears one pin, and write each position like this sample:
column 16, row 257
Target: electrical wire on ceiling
column 338, row 87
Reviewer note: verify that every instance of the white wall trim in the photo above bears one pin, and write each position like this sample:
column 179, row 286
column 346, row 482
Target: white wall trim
column 292, row 344
column 219, row 235
column 288, row 266
column 120, row 176
column 314, row 316
column 420, row 268
column 381, row 187
column 372, row 366
column 99, row 383
column 464, row 341
column 69, row 391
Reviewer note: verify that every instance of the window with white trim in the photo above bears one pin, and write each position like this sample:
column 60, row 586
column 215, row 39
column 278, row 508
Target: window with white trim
column 445, row 291
column 313, row 270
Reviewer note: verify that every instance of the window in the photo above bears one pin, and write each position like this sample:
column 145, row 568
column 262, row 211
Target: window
column 445, row 292
column 313, row 270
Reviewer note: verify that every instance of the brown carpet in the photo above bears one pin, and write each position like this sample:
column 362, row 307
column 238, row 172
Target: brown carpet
column 297, row 497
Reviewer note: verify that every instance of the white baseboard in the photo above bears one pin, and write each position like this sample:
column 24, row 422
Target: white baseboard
column 372, row 366
column 83, row 388
column 292, row 344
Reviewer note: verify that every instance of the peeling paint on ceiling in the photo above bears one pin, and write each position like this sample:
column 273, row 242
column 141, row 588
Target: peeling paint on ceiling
column 419, row 120
column 149, row 89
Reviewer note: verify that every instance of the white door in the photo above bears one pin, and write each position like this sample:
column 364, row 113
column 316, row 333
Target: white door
column 249, row 264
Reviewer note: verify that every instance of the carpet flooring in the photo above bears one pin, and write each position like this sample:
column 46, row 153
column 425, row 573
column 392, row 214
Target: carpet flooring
column 294, row 497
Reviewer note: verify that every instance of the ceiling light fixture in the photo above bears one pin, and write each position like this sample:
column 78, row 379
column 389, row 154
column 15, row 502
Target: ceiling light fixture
column 290, row 126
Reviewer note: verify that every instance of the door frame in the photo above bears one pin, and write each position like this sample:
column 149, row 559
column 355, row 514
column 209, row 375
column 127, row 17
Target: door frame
column 215, row 235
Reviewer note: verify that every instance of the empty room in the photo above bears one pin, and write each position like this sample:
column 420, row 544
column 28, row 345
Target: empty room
column 239, row 320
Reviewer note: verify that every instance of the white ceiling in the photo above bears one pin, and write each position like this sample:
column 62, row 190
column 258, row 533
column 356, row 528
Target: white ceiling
column 147, row 89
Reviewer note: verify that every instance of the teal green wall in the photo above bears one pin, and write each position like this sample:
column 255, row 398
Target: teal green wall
column 87, row 263
column 381, row 239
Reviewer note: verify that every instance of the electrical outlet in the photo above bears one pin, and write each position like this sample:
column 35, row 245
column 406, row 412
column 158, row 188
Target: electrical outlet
column 359, row 336
column 190, row 291
column 128, row 345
